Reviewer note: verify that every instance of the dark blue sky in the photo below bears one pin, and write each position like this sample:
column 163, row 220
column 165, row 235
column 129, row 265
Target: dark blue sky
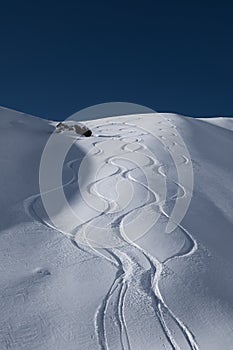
column 58, row 57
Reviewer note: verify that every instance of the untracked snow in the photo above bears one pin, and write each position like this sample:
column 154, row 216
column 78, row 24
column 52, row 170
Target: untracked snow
column 89, row 283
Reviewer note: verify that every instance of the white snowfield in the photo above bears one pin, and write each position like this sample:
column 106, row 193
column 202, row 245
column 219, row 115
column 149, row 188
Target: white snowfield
column 120, row 268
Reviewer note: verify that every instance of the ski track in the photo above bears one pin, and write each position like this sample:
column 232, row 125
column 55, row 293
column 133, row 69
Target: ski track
column 159, row 302
column 30, row 201
column 157, row 267
column 123, row 262
column 121, row 305
column 101, row 312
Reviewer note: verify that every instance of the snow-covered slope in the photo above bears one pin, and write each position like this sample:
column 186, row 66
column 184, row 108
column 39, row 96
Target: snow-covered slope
column 111, row 276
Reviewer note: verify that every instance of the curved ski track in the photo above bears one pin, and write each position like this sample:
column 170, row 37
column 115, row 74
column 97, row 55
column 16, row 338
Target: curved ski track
column 127, row 265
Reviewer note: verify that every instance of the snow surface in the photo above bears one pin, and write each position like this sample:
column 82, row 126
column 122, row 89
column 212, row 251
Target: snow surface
column 71, row 288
